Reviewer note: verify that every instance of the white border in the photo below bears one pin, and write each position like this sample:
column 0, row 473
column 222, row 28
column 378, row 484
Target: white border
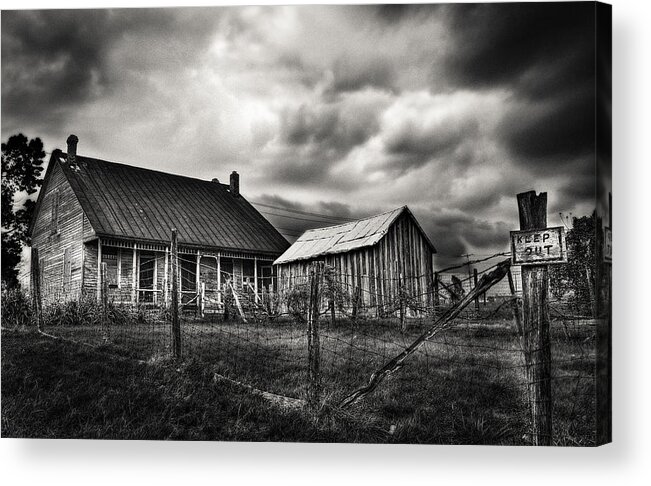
column 60, row 462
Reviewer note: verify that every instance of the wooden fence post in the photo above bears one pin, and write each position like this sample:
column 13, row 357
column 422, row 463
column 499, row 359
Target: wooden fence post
column 401, row 295
column 313, row 344
column 355, row 301
column 516, row 308
column 176, row 325
column 437, row 301
column 37, row 303
column 330, row 282
column 474, row 276
column 535, row 288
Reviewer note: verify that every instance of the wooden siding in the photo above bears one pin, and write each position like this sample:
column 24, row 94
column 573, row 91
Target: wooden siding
column 60, row 242
column 402, row 256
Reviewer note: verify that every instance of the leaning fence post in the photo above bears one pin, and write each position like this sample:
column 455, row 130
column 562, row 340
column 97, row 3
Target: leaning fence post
column 176, row 325
column 313, row 344
column 37, row 304
column 535, row 287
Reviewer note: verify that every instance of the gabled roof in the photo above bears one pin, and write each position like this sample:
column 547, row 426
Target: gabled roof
column 126, row 202
column 346, row 237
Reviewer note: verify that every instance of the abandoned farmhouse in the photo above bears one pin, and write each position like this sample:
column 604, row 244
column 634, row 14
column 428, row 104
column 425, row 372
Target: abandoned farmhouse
column 381, row 256
column 92, row 211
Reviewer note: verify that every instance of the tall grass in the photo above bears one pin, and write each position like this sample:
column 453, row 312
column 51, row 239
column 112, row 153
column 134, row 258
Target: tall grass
column 16, row 309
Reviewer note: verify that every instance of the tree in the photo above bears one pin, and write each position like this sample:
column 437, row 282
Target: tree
column 575, row 281
column 22, row 164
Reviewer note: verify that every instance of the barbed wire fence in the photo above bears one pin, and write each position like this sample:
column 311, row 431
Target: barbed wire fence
column 320, row 347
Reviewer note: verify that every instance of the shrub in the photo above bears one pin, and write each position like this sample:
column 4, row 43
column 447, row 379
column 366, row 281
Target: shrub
column 16, row 309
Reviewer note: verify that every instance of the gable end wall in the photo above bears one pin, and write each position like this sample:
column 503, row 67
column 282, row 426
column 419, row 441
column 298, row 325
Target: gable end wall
column 61, row 280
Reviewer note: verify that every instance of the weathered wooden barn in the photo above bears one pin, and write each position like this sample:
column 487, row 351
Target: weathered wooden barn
column 91, row 211
column 380, row 255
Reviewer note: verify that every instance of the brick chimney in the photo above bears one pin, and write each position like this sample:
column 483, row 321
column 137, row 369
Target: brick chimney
column 72, row 148
column 235, row 183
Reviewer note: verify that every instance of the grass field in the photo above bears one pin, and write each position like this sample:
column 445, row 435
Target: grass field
column 465, row 386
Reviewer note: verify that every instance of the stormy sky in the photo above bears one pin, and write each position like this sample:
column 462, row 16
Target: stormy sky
column 339, row 110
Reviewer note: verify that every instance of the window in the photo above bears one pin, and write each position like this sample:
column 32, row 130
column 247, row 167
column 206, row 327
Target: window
column 227, row 270
column 265, row 278
column 248, row 272
column 54, row 223
column 146, row 277
column 188, row 271
column 110, row 257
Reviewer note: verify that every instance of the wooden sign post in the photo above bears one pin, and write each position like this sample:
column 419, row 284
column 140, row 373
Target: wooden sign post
column 534, row 247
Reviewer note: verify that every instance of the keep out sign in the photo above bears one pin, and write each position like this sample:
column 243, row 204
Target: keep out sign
column 538, row 247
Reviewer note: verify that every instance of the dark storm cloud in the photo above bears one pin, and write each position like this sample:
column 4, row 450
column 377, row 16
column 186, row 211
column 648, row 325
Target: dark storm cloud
column 552, row 129
column 498, row 43
column 544, row 53
column 335, row 208
column 445, row 235
column 328, row 127
column 356, row 74
column 53, row 60
column 453, row 231
column 395, row 13
column 580, row 187
column 315, row 137
column 414, row 145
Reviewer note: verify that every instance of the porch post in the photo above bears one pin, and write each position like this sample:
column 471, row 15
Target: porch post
column 134, row 275
column 155, row 286
column 119, row 257
column 99, row 270
column 219, row 278
column 166, row 294
column 255, row 278
column 197, row 279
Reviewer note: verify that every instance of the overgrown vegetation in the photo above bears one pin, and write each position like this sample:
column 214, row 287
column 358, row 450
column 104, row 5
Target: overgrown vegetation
column 87, row 312
column 575, row 281
column 16, row 309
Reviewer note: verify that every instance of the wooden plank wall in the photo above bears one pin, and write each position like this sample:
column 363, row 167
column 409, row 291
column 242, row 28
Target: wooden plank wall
column 52, row 246
column 401, row 257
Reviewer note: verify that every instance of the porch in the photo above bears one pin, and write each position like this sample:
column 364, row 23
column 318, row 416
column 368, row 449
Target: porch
column 139, row 273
